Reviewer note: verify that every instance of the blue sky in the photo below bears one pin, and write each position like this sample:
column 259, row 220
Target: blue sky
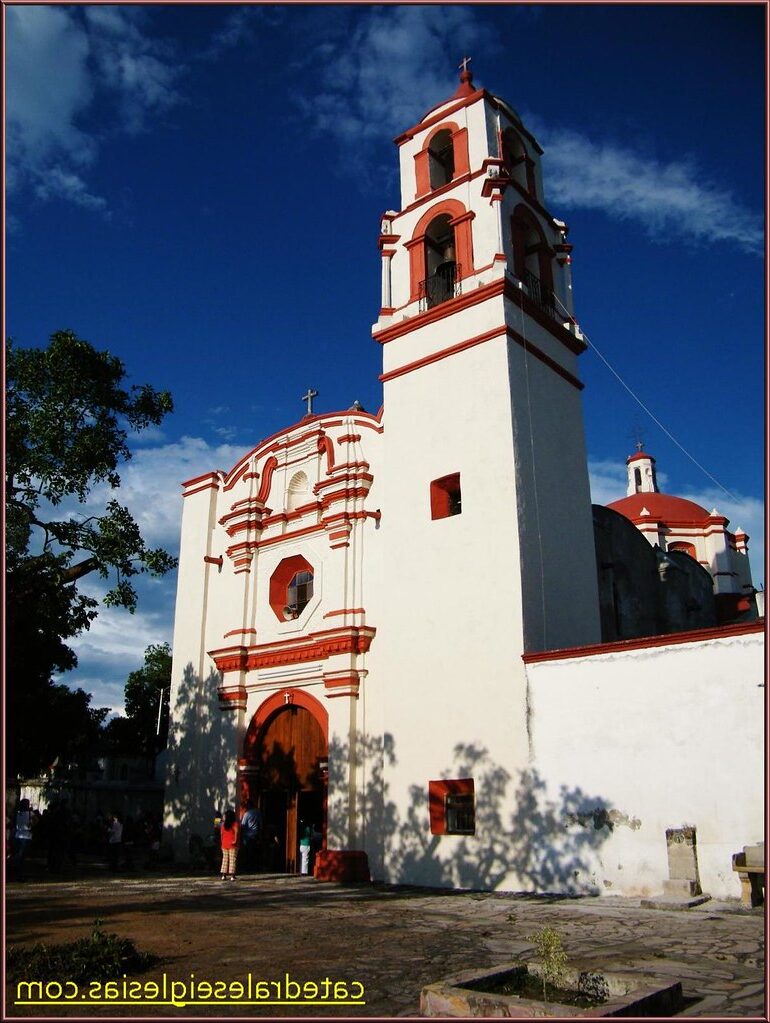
column 198, row 189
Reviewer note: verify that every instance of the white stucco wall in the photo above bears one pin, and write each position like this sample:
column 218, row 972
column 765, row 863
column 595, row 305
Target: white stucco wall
column 665, row 736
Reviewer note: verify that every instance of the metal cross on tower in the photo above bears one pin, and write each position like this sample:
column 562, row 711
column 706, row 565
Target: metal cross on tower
column 465, row 62
column 309, row 399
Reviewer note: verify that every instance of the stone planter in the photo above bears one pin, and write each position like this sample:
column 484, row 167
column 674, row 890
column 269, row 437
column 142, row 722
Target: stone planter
column 626, row 994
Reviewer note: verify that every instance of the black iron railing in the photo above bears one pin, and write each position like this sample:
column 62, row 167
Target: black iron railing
column 440, row 286
column 540, row 295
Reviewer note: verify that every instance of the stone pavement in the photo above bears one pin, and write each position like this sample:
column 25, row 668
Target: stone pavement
column 392, row 940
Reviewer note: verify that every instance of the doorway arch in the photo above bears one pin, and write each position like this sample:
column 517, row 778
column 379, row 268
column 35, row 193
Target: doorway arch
column 284, row 773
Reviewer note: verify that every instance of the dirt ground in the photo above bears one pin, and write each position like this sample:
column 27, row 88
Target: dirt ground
column 381, row 944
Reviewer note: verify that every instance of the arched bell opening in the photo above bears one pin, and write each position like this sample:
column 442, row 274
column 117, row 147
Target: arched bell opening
column 284, row 773
column 533, row 259
column 440, row 262
column 441, row 159
column 517, row 161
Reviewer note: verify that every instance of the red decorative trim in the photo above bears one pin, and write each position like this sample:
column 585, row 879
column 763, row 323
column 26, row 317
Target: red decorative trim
column 211, row 476
column 490, row 335
column 316, row 646
column 388, row 239
column 671, row 639
column 232, row 696
column 560, row 333
column 429, row 121
column 290, row 536
column 474, row 297
column 292, row 516
column 349, row 680
column 267, row 478
column 345, row 611
column 213, row 561
column 541, row 355
column 465, row 101
column 409, row 367
column 349, row 438
column 346, row 515
column 448, row 187
column 240, row 632
column 197, row 490
column 326, row 447
column 678, row 524
column 272, row 443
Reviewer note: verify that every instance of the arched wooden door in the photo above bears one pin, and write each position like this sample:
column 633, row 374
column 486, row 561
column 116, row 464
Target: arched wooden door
column 287, row 780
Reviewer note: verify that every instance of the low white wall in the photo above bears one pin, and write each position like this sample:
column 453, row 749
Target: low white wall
column 631, row 742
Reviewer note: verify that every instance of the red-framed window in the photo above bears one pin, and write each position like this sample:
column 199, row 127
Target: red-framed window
column 452, row 806
column 446, row 497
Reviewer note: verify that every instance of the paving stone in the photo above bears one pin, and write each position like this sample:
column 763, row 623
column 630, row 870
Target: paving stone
column 395, row 940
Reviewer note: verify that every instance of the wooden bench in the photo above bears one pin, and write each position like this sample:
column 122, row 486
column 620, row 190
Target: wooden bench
column 750, row 865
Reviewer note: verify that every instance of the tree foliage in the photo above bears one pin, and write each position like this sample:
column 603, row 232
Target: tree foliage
column 68, row 420
column 144, row 729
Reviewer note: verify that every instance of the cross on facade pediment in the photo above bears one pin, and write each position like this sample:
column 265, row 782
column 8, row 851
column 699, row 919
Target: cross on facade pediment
column 309, row 399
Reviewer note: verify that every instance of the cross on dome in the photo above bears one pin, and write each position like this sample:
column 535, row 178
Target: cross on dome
column 309, row 399
column 465, row 88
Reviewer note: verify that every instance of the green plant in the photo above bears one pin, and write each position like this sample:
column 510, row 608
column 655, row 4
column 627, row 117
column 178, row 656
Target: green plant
column 552, row 957
column 100, row 956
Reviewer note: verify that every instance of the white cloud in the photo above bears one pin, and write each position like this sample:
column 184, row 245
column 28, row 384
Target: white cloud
column 665, row 198
column 56, row 183
column 239, row 28
column 386, row 70
column 139, row 69
column 114, row 645
column 60, row 62
column 150, row 484
column 116, row 641
column 49, row 88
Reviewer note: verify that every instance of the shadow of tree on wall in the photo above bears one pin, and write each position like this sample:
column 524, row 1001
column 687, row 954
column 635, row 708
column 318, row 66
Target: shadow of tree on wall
column 368, row 758
column 200, row 756
column 524, row 838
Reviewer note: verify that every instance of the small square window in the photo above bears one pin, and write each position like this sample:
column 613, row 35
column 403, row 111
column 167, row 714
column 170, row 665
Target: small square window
column 445, row 497
column 460, row 813
column 452, row 806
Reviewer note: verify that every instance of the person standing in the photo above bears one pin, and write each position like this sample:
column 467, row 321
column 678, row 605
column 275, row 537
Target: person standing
column 304, row 850
column 230, row 835
column 251, row 826
column 115, row 841
column 22, row 838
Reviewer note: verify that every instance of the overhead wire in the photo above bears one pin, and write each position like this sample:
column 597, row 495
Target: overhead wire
column 644, row 407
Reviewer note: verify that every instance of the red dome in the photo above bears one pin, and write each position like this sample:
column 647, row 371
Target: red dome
column 662, row 508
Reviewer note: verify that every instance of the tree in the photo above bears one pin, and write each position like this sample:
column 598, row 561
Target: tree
column 67, row 426
column 144, row 729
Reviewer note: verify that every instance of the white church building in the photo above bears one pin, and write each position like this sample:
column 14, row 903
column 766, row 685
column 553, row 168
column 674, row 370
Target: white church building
column 387, row 626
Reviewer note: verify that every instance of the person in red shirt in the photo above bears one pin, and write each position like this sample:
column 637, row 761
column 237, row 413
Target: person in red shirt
column 230, row 833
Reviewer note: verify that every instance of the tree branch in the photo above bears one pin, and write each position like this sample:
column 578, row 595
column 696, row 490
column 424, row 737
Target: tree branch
column 75, row 572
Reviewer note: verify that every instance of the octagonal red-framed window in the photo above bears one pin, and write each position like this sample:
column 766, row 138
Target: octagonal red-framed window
column 291, row 587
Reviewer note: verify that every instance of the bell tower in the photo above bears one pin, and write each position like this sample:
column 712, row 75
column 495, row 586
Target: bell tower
column 486, row 530
column 481, row 388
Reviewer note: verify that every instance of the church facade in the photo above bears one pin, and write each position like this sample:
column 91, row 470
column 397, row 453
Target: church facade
column 375, row 612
